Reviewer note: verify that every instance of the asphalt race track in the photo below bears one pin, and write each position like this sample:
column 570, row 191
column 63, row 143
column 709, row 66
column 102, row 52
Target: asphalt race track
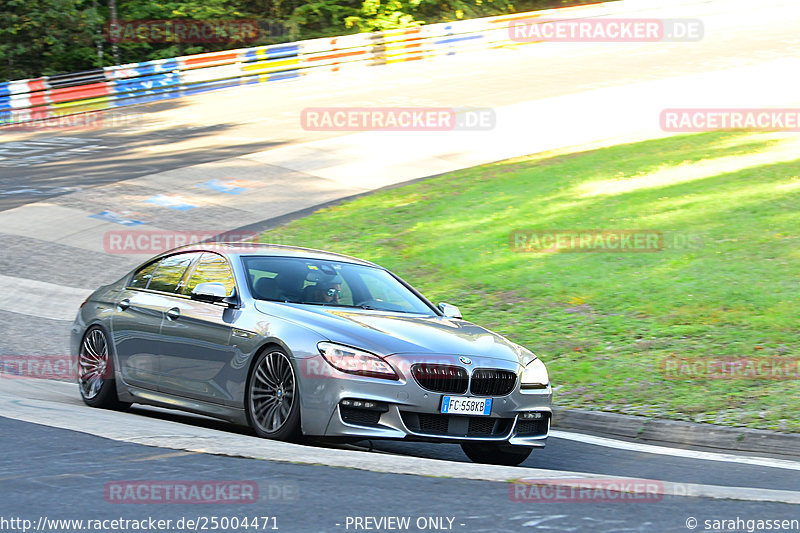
column 311, row 497
column 58, row 455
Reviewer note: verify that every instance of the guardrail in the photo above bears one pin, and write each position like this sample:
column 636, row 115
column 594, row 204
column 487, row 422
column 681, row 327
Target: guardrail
column 150, row 81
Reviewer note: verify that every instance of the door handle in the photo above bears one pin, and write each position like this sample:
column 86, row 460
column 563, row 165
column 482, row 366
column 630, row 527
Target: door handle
column 124, row 304
column 174, row 313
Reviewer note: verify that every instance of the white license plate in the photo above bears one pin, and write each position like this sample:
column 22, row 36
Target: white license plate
column 464, row 405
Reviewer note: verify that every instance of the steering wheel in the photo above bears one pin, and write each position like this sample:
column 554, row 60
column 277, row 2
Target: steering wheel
column 375, row 304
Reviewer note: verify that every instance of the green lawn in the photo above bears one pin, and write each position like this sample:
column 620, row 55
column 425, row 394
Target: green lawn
column 605, row 322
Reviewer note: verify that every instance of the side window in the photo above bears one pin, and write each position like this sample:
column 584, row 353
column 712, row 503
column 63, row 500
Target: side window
column 143, row 275
column 212, row 268
column 170, row 272
column 263, row 284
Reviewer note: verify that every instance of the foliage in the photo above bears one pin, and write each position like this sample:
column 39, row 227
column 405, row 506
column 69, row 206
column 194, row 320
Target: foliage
column 377, row 15
column 45, row 37
column 725, row 285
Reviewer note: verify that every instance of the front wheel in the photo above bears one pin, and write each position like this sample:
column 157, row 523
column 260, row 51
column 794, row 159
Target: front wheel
column 493, row 453
column 96, row 373
column 273, row 405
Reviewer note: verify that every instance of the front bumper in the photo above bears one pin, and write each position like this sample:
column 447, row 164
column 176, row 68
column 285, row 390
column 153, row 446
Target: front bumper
column 412, row 412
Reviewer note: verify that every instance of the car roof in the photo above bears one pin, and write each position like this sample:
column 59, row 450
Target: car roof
column 270, row 250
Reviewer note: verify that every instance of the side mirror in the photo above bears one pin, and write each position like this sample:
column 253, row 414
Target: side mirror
column 450, row 311
column 210, row 292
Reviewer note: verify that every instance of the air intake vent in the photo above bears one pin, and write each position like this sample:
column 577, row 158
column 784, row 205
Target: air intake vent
column 532, row 428
column 456, row 425
column 360, row 417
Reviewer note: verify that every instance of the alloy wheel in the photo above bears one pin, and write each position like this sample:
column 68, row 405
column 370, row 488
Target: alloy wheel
column 272, row 392
column 93, row 363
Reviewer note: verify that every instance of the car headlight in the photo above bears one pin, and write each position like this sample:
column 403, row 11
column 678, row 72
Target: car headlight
column 354, row 361
column 535, row 375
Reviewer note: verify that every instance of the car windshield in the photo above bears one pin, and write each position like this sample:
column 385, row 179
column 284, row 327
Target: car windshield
column 330, row 283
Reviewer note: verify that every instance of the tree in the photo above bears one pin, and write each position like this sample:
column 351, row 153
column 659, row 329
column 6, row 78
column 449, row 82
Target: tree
column 45, row 37
column 40, row 37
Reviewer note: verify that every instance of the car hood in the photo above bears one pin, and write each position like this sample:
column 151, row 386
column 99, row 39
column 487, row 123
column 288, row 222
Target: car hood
column 387, row 333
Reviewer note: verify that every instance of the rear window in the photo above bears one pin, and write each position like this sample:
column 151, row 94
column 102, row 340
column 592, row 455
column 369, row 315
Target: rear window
column 212, row 268
column 142, row 277
column 170, row 271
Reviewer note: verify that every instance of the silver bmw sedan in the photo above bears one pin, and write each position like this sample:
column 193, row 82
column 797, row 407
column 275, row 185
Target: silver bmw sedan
column 297, row 342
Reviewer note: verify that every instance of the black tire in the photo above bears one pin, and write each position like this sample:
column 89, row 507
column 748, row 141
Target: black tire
column 96, row 371
column 272, row 401
column 493, row 453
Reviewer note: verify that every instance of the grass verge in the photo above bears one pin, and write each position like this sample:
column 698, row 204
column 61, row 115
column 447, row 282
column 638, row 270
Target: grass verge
column 725, row 286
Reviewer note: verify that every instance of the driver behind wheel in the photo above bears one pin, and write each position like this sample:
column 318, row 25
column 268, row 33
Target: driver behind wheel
column 327, row 292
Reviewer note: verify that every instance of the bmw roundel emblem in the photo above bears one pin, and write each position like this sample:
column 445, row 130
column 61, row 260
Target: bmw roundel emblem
column 465, row 360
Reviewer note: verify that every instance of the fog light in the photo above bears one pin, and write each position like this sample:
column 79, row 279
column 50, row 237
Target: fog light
column 365, row 404
column 532, row 415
